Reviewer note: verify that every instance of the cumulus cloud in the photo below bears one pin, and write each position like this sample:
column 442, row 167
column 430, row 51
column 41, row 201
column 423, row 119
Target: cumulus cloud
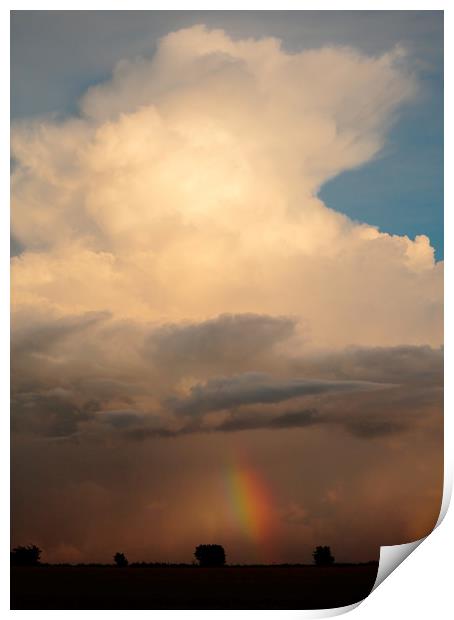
column 187, row 188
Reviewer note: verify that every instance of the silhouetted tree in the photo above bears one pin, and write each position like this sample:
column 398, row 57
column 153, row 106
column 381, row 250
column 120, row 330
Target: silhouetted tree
column 210, row 555
column 25, row 556
column 120, row 560
column 322, row 556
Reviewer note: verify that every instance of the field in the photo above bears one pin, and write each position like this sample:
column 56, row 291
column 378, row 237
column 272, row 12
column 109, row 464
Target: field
column 243, row 587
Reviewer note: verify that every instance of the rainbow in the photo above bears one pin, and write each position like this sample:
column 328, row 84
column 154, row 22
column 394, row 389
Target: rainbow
column 251, row 504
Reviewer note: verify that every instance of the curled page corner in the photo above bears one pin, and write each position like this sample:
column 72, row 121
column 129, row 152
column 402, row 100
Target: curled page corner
column 392, row 556
column 329, row 612
column 447, row 493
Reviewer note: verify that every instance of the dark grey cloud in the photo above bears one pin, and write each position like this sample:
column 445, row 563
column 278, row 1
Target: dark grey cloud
column 53, row 414
column 255, row 420
column 369, row 427
column 90, row 375
column 229, row 339
column 396, row 410
column 16, row 247
column 418, row 365
column 375, row 421
column 254, row 388
column 290, row 419
column 42, row 335
column 146, row 432
column 120, row 418
column 365, row 415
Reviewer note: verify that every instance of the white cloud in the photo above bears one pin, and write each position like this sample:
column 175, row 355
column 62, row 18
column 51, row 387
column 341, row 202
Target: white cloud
column 188, row 188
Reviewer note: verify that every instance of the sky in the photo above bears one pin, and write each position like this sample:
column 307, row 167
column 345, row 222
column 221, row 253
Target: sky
column 227, row 291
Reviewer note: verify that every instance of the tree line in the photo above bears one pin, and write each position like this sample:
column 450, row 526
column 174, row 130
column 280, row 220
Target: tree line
column 211, row 555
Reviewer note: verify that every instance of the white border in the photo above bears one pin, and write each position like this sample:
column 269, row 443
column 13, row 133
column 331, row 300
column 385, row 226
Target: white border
column 421, row 588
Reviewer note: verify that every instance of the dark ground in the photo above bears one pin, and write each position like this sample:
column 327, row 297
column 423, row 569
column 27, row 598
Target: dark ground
column 242, row 587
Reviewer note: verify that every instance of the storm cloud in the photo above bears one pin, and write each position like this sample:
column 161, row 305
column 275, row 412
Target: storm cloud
column 93, row 375
column 187, row 188
column 185, row 305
